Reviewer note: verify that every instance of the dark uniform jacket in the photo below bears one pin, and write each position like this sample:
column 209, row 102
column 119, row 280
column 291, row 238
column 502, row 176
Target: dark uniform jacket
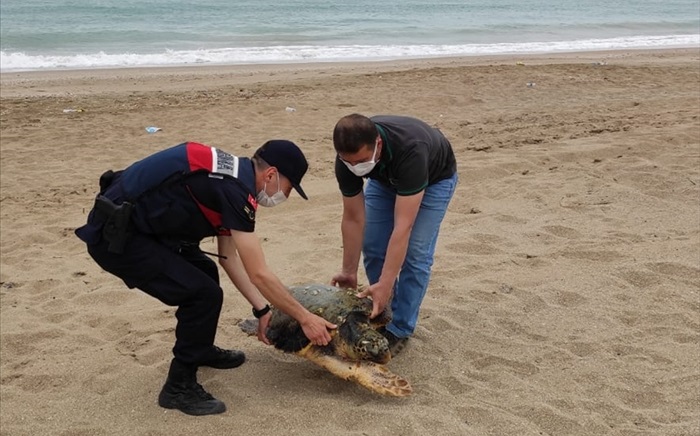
column 182, row 194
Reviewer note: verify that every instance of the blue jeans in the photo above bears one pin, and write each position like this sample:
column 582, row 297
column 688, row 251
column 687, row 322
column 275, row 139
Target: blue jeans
column 412, row 283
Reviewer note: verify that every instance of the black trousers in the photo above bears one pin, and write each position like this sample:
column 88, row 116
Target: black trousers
column 187, row 279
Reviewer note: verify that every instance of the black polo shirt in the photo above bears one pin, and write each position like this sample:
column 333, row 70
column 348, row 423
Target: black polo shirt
column 413, row 157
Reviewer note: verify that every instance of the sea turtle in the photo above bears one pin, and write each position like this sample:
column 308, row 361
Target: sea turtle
column 357, row 351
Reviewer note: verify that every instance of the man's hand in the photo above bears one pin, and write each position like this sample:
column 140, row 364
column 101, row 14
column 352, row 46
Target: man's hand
column 380, row 294
column 263, row 323
column 316, row 329
column 344, row 280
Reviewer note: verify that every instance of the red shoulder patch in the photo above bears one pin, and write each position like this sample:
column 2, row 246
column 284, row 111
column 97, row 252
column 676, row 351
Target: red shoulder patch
column 253, row 202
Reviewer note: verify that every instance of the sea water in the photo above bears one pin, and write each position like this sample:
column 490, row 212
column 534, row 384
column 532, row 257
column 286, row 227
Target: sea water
column 72, row 34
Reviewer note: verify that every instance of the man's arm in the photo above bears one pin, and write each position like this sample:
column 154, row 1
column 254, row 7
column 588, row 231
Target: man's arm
column 262, row 278
column 231, row 263
column 352, row 229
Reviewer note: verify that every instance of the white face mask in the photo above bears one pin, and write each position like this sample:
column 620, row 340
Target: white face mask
column 363, row 168
column 278, row 197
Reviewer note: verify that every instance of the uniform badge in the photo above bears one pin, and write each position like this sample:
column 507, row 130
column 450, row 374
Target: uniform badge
column 249, row 212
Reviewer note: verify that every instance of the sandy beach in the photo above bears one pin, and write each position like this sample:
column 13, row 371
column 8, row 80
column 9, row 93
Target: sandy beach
column 565, row 296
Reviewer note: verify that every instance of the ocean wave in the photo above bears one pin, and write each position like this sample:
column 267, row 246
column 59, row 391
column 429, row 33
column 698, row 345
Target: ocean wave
column 20, row 61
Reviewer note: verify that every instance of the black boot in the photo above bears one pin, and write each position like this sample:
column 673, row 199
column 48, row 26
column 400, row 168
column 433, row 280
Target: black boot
column 222, row 359
column 396, row 344
column 181, row 391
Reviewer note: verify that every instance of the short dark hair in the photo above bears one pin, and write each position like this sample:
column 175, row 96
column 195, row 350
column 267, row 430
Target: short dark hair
column 259, row 163
column 352, row 132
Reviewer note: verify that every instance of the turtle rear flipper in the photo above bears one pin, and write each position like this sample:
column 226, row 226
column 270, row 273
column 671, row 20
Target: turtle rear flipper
column 372, row 376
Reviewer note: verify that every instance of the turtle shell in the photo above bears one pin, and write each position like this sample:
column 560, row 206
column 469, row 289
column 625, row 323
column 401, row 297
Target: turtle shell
column 356, row 337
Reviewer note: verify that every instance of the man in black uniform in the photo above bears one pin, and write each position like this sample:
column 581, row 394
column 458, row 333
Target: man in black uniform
column 395, row 218
column 146, row 227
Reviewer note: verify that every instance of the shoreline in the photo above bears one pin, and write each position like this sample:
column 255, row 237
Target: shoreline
column 88, row 81
column 21, row 62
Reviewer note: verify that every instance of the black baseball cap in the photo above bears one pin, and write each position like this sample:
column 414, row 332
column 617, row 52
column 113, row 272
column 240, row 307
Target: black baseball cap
column 289, row 160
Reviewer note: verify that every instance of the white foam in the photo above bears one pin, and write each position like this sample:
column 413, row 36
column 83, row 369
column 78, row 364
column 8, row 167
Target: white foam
column 18, row 61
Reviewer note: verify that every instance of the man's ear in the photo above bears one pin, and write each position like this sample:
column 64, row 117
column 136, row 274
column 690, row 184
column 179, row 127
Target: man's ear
column 270, row 174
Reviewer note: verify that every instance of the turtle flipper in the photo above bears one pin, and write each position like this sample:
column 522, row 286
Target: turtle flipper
column 249, row 326
column 372, row 376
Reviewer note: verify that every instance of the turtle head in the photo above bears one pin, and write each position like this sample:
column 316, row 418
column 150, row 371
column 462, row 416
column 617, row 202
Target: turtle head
column 361, row 341
column 374, row 347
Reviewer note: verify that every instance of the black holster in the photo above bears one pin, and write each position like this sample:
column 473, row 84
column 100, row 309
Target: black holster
column 106, row 180
column 117, row 222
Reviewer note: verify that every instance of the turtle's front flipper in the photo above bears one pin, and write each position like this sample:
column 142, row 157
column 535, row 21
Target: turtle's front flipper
column 374, row 377
column 249, row 326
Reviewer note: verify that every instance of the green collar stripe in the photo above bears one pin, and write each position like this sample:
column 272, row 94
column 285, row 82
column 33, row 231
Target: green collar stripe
column 415, row 191
column 351, row 194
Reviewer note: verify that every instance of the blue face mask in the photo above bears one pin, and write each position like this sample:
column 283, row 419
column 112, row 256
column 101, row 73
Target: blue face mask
column 266, row 200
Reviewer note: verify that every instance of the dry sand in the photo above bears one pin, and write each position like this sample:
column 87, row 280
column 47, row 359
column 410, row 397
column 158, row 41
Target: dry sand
column 565, row 297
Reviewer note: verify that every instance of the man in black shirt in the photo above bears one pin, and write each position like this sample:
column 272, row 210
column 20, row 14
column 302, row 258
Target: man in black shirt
column 146, row 227
column 395, row 221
